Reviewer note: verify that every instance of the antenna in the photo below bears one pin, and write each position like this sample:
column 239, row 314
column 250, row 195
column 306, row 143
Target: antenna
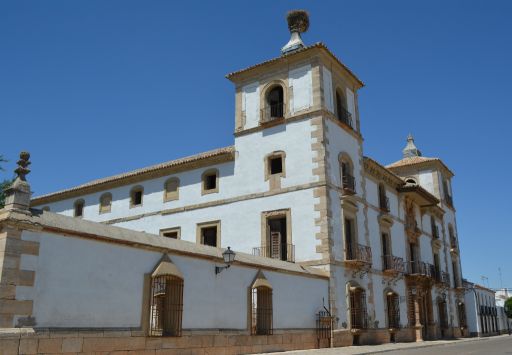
column 484, row 279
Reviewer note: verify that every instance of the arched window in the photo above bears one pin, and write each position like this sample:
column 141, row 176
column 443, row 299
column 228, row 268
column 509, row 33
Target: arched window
column 341, row 109
column 393, row 309
column 348, row 182
column 79, row 208
column 261, row 301
column 357, row 307
column 383, row 199
column 171, row 189
column 106, row 202
column 274, row 101
column 136, row 196
column 166, row 309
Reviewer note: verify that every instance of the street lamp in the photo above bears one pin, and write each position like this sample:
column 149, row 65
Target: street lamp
column 229, row 256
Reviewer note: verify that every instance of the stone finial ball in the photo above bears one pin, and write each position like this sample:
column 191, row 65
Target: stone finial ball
column 298, row 20
column 24, row 155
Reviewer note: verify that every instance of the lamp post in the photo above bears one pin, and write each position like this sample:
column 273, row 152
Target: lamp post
column 229, row 256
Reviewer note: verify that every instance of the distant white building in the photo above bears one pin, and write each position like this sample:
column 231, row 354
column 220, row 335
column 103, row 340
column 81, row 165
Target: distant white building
column 318, row 229
column 485, row 310
column 504, row 323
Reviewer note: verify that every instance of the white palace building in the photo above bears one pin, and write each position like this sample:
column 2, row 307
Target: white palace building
column 327, row 247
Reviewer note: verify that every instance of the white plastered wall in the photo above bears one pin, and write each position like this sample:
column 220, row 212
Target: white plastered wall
column 240, row 221
column 91, row 284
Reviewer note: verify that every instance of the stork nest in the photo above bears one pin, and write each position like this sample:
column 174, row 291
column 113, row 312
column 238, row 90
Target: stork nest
column 298, row 20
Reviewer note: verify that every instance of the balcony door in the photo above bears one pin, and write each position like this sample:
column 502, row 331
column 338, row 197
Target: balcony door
column 386, row 251
column 276, row 243
column 413, row 255
column 350, row 245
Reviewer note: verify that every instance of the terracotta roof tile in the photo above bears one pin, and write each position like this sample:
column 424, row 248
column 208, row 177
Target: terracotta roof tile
column 410, row 161
column 132, row 174
column 417, row 160
column 273, row 60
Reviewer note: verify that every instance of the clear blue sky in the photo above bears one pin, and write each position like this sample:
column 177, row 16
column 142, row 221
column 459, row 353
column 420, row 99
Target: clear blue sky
column 94, row 88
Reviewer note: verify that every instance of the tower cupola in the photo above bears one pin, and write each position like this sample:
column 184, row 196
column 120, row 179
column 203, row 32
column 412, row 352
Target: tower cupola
column 410, row 149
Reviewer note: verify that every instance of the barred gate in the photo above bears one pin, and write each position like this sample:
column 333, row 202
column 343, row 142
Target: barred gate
column 323, row 327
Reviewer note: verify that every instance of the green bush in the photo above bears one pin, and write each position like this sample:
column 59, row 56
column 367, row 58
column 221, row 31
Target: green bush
column 508, row 307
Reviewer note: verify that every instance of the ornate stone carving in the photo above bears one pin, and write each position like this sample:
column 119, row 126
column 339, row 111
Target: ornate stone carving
column 22, row 170
column 17, row 196
column 411, row 226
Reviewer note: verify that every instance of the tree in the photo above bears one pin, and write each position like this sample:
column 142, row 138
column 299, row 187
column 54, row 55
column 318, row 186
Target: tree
column 508, row 307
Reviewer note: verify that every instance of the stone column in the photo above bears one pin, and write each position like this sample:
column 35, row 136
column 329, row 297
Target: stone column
column 17, row 251
column 17, row 196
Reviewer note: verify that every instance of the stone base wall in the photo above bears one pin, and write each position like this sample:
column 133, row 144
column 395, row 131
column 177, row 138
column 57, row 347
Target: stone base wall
column 29, row 341
column 371, row 336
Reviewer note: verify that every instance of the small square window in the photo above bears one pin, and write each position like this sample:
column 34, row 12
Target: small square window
column 276, row 165
column 210, row 182
column 209, row 236
column 174, row 233
column 170, row 234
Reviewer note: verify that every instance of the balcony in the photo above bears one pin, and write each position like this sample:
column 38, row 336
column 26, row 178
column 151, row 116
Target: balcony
column 384, row 203
column 392, row 264
column 349, row 184
column 272, row 112
column 359, row 254
column 285, row 252
column 420, row 269
column 345, row 117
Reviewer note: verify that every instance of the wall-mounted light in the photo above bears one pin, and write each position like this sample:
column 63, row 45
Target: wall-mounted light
column 229, row 256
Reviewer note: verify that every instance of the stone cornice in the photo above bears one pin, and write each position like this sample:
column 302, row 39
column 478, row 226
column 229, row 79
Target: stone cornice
column 373, row 168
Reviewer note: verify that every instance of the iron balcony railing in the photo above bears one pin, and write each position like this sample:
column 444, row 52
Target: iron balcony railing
column 435, row 232
column 273, row 112
column 384, row 203
column 349, row 183
column 420, row 268
column 394, row 263
column 284, row 252
column 359, row 253
column 345, row 117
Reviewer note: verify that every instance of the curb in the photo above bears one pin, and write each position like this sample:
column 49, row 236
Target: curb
column 419, row 346
column 426, row 346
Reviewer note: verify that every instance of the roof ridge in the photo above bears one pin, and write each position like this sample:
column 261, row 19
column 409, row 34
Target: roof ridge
column 140, row 171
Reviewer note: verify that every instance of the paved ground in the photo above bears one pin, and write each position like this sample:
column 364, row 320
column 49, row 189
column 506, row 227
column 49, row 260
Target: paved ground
column 488, row 346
